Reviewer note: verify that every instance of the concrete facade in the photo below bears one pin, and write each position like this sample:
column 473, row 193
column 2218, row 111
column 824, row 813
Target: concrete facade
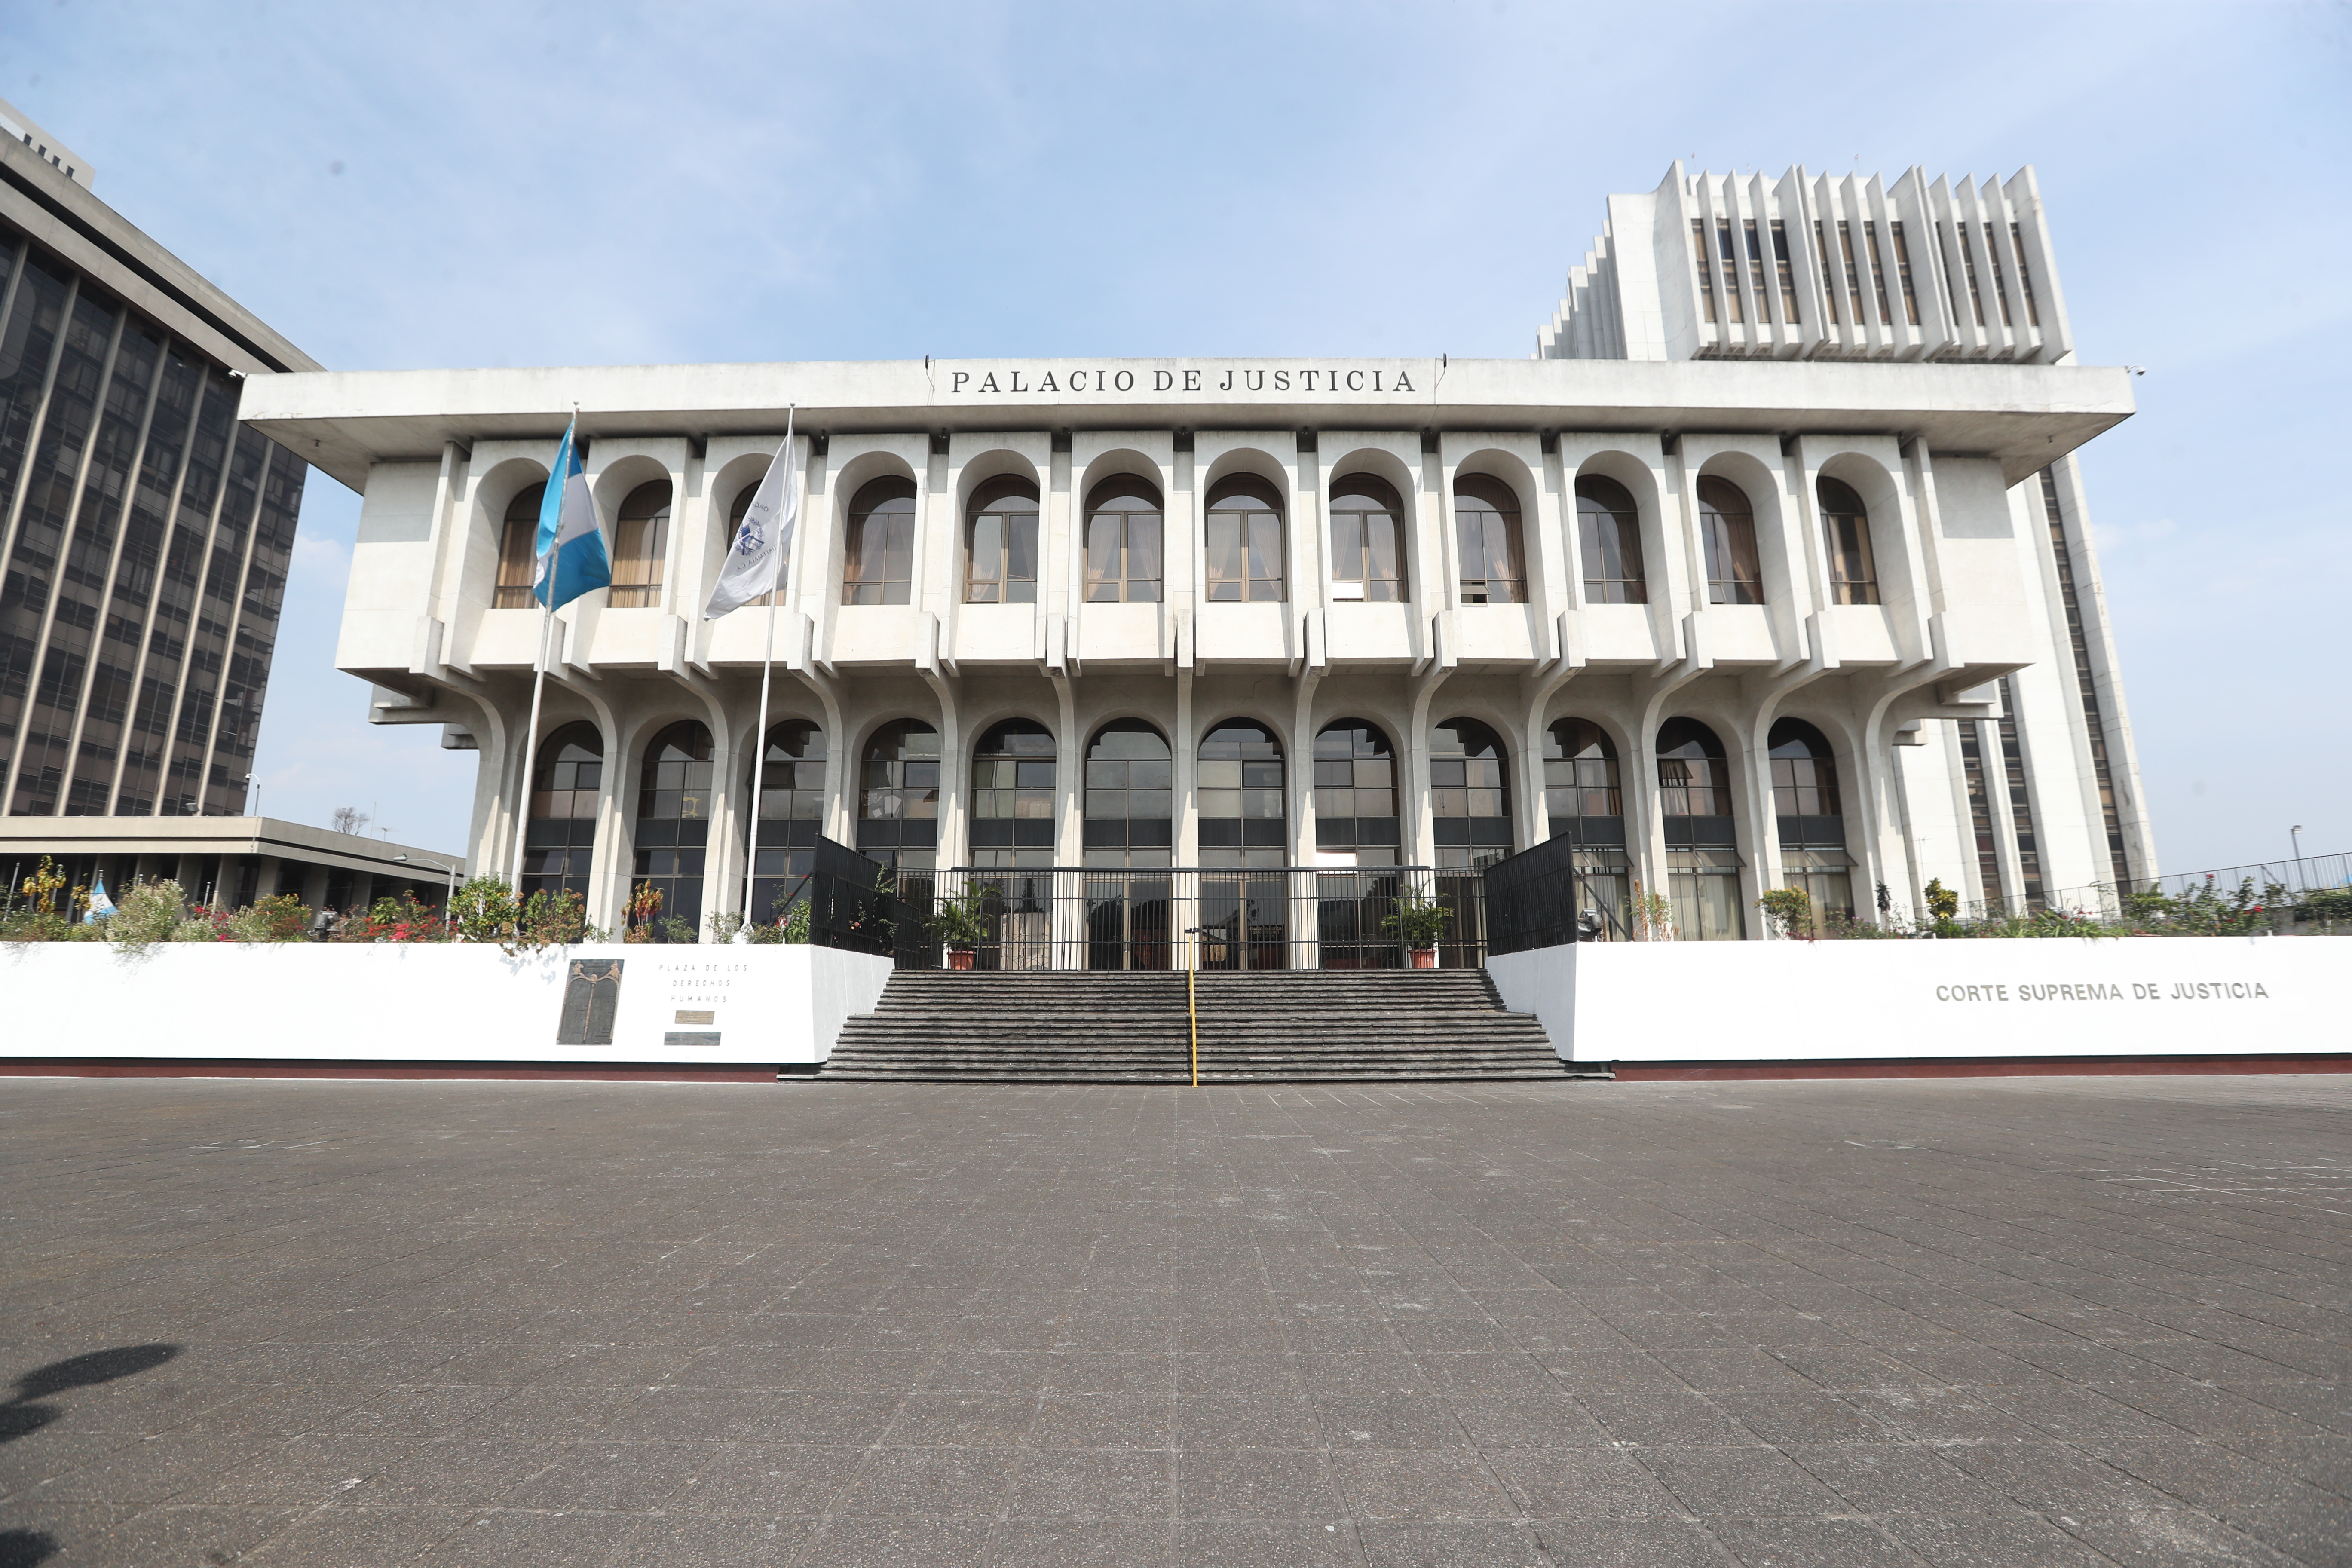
column 1975, row 513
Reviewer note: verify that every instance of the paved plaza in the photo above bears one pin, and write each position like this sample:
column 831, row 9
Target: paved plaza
column 1985, row 1323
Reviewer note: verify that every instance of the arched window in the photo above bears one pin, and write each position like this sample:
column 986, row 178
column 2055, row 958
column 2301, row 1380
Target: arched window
column 1846, row 529
column 641, row 541
column 1012, row 805
column 879, row 554
column 1586, row 803
column 792, row 815
column 1242, row 817
column 1487, row 529
column 1245, row 541
column 561, row 833
column 1702, row 864
column 1131, row 795
column 1355, row 795
column 1123, row 533
column 1734, row 576
column 673, row 831
column 1469, row 794
column 1000, row 542
column 519, row 550
column 1243, row 828
column 1367, row 540
column 735, row 512
column 1611, row 531
column 1812, row 825
column 898, row 796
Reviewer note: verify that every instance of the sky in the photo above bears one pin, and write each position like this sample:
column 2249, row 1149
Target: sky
column 581, row 183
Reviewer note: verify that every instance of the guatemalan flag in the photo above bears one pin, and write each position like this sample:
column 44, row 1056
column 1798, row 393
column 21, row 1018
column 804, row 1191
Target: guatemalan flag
column 101, row 908
column 571, row 555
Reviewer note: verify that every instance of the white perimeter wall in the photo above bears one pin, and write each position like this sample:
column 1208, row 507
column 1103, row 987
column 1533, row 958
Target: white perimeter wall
column 423, row 1002
column 1794, row 1001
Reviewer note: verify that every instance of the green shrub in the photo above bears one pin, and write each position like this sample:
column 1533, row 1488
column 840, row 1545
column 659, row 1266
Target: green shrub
column 150, row 912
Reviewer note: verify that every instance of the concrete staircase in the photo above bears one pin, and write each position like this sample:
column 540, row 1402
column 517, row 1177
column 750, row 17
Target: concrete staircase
column 1268, row 1026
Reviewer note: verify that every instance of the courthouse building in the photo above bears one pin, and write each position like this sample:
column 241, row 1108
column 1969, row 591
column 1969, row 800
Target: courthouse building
column 1771, row 566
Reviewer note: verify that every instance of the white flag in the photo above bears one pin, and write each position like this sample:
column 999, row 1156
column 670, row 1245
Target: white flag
column 755, row 565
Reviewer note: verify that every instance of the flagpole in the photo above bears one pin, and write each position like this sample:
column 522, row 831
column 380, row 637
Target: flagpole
column 767, row 664
column 530, row 749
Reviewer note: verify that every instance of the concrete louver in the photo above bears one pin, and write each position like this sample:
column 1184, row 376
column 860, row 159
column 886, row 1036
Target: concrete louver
column 1279, row 1026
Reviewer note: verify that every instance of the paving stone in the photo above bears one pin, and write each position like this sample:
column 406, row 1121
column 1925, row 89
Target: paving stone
column 1484, row 1324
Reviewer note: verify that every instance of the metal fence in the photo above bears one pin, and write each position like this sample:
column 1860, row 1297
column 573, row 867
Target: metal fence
column 2310, row 874
column 1532, row 898
column 1104, row 918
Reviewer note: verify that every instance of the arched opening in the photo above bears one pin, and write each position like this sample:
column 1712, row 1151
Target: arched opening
column 1367, row 540
column 641, row 543
column 1013, row 796
column 1811, row 819
column 791, row 817
column 1585, row 801
column 1000, row 542
column 1487, row 531
column 1129, row 830
column 560, row 834
column 1610, row 527
column 1694, row 797
column 1245, row 541
column 899, row 800
column 672, row 833
column 1244, row 827
column 1728, row 524
column 879, row 554
column 1845, row 532
column 1470, row 821
column 518, row 550
column 1123, row 542
column 1357, row 827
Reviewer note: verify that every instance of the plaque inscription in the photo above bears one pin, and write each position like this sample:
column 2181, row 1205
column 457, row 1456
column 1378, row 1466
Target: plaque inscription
column 592, row 996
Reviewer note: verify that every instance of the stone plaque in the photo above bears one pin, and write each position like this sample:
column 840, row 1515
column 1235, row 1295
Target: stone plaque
column 698, row 1015
column 591, row 995
column 691, row 1041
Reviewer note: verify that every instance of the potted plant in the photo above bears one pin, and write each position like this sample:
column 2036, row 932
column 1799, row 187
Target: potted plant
column 1418, row 922
column 964, row 922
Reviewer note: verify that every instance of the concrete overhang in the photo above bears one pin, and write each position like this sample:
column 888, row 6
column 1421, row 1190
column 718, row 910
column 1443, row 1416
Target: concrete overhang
column 2025, row 415
column 219, row 836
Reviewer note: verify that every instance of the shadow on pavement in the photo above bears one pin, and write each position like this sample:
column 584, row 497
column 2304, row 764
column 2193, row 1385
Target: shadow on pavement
column 23, row 1415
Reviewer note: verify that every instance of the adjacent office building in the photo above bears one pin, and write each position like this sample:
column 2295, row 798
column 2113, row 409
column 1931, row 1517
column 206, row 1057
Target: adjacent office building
column 1771, row 567
column 147, row 539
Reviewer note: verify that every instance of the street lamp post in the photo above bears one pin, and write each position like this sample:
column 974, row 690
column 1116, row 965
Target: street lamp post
column 2294, row 837
column 449, row 900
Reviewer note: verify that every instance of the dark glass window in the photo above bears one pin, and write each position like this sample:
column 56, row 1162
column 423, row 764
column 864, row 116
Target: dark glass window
column 1846, row 529
column 1356, row 794
column 791, row 816
column 1469, row 794
column 1972, row 766
column 1969, row 265
column 2024, row 275
column 1131, row 795
column 1733, row 304
column 1586, row 805
column 1612, row 531
column 879, row 557
column 1702, row 864
column 1787, row 275
column 1486, row 530
column 1001, row 543
column 898, row 795
column 1245, row 541
column 1734, row 575
column 2021, row 794
column 1013, row 796
column 1243, row 820
column 1705, row 266
column 673, row 830
column 1878, row 275
column 1999, row 277
column 1811, row 826
column 1903, row 272
column 1367, row 540
column 561, row 833
column 1756, row 268
column 518, row 550
column 1829, row 282
column 641, row 541
column 1123, row 536
column 1852, row 268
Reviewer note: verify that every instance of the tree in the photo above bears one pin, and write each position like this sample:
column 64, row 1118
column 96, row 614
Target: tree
column 349, row 819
